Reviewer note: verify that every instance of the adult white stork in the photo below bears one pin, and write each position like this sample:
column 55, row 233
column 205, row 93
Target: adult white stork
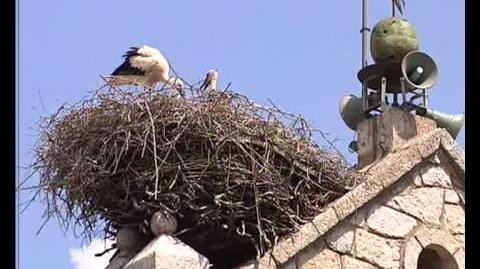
column 145, row 66
column 210, row 82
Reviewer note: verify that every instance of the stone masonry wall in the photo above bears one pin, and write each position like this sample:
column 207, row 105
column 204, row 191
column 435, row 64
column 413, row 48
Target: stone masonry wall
column 391, row 230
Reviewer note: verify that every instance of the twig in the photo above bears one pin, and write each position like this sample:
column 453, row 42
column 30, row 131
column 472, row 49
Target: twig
column 154, row 134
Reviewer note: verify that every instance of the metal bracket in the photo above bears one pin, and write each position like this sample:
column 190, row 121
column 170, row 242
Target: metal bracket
column 425, row 98
column 404, row 89
column 368, row 106
column 364, row 97
column 383, row 91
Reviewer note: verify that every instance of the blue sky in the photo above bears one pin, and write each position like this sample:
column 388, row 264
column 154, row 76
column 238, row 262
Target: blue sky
column 302, row 55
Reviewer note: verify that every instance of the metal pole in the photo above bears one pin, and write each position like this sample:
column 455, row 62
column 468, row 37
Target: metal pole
column 393, row 8
column 364, row 32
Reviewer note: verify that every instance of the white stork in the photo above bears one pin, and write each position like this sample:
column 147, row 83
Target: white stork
column 145, row 66
column 210, row 82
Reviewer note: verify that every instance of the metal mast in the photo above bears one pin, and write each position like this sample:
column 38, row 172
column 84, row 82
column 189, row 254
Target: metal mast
column 365, row 30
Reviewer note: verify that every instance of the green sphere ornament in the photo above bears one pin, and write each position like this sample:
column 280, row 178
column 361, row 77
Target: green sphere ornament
column 391, row 39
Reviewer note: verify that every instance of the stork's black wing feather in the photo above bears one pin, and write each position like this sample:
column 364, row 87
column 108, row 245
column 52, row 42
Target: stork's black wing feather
column 132, row 52
column 126, row 69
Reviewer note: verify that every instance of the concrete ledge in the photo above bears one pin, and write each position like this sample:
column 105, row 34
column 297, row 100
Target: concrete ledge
column 166, row 252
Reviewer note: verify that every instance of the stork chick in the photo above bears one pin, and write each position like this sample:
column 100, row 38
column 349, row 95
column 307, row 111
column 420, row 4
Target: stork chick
column 210, row 82
column 145, row 66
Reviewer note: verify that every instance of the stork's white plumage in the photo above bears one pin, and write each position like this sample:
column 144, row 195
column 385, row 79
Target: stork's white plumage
column 145, row 66
column 210, row 82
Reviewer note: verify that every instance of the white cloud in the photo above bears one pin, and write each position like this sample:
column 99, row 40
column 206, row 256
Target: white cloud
column 84, row 257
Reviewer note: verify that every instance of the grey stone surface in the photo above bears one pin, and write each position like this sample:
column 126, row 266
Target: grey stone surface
column 460, row 258
column 428, row 235
column 435, row 176
column 390, row 222
column 357, row 218
column 417, row 180
column 412, row 251
column 423, row 203
column 341, row 238
column 325, row 259
column 324, row 221
column 454, row 151
column 365, row 245
column 377, row 250
column 451, row 197
column 455, row 219
column 386, row 132
column 167, row 252
column 460, row 238
column 352, row 263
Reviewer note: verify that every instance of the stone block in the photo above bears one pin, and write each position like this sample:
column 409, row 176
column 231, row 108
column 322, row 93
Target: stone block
column 341, row 238
column 390, row 222
column 167, row 252
column 455, row 219
column 451, row 197
column 307, row 234
column 366, row 142
column 435, row 176
column 325, row 220
column 377, row 250
column 387, row 132
column 286, row 249
column 423, row 203
column 460, row 258
column 352, row 263
column 325, row 259
column 460, row 238
column 411, row 253
column 434, row 235
column 357, row 218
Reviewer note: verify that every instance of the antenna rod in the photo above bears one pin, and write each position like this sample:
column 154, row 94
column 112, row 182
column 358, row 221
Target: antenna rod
column 364, row 32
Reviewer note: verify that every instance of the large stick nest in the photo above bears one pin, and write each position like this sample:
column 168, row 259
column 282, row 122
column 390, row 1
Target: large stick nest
column 217, row 161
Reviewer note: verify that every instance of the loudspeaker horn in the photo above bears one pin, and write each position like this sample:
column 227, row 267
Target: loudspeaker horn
column 452, row 123
column 351, row 111
column 419, row 70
